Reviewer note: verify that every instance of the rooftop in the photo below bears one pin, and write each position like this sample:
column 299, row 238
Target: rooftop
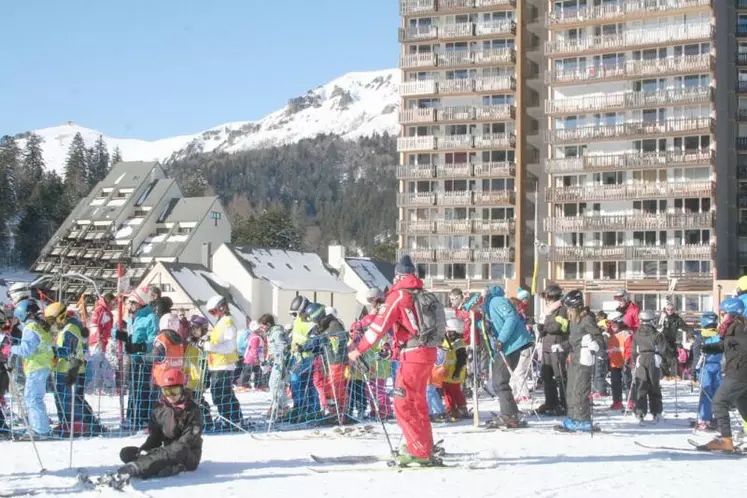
column 374, row 272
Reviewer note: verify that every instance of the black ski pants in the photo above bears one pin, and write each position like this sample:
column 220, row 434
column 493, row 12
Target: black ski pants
column 502, row 381
column 730, row 392
column 649, row 391
column 165, row 461
column 553, row 374
column 578, row 390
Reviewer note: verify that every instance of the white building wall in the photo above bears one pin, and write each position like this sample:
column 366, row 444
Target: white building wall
column 207, row 231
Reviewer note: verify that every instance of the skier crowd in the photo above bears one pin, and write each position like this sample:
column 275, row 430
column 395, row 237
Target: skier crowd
column 319, row 370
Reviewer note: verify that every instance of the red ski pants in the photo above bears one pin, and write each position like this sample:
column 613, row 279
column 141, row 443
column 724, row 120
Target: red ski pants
column 411, row 407
column 453, row 396
column 336, row 386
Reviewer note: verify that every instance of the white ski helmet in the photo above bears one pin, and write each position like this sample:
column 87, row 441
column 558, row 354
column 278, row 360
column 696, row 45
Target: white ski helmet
column 215, row 303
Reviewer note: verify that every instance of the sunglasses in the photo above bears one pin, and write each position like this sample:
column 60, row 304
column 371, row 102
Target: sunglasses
column 172, row 391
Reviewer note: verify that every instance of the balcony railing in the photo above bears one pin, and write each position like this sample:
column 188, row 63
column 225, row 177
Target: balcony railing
column 502, row 255
column 633, row 69
column 457, row 170
column 740, row 4
column 630, row 129
column 410, row 7
column 631, row 191
column 633, row 160
column 621, row 10
column 417, row 115
column 741, row 143
column 742, row 114
column 742, row 86
column 458, row 198
column 630, row 39
column 628, row 222
column 456, row 142
column 456, row 30
column 741, row 30
column 624, row 253
column 458, row 86
column 490, row 56
column 630, row 100
column 501, row 112
column 742, row 58
column 418, row 33
column 440, row 226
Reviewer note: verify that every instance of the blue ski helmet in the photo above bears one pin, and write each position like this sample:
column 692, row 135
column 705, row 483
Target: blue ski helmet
column 315, row 312
column 709, row 320
column 25, row 310
column 732, row 305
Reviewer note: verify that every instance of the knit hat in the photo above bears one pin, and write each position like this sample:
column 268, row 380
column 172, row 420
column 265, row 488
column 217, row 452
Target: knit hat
column 140, row 296
column 169, row 321
column 522, row 294
column 405, row 266
column 253, row 326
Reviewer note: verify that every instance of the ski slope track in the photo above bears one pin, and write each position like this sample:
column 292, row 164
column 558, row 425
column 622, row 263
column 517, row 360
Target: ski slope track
column 535, row 461
column 351, row 106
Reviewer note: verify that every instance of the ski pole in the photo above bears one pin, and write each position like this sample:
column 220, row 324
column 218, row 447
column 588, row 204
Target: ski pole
column 25, row 418
column 72, row 424
column 676, row 397
column 630, row 391
column 375, row 402
column 591, row 400
column 562, row 378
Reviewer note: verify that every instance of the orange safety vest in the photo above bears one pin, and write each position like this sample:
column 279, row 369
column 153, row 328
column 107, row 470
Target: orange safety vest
column 174, row 358
column 616, row 348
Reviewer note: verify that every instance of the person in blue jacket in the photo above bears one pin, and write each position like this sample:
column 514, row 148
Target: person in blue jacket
column 509, row 336
column 709, row 370
column 142, row 330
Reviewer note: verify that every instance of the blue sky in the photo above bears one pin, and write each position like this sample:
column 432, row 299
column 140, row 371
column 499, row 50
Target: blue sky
column 159, row 68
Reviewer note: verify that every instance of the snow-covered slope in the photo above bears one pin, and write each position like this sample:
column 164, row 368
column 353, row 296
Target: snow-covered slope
column 354, row 105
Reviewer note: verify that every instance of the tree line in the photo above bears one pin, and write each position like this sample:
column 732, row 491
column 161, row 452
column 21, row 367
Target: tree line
column 34, row 200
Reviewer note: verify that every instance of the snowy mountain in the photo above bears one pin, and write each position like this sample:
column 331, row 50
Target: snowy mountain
column 353, row 105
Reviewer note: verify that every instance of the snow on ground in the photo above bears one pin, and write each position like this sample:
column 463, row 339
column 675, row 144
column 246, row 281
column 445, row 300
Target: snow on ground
column 534, row 461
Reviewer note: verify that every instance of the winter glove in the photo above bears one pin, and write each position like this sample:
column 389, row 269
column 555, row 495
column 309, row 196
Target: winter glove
column 72, row 374
column 204, row 343
column 593, row 347
column 498, row 346
column 556, row 348
column 121, row 335
column 384, row 353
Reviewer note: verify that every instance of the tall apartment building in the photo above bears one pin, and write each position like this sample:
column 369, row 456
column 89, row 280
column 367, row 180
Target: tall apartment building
column 462, row 213
column 634, row 149
column 741, row 144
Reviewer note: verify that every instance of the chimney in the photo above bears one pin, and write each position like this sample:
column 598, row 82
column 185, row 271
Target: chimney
column 205, row 256
column 336, row 257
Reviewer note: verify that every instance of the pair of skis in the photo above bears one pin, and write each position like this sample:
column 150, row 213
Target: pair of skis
column 695, row 447
column 367, row 463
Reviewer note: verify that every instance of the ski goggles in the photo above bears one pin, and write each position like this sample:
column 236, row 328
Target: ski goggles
column 172, row 391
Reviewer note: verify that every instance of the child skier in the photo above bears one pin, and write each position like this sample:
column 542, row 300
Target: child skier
column 649, row 345
column 174, row 441
column 733, row 388
column 436, row 410
column 276, row 354
column 618, row 334
column 254, row 355
column 709, row 369
column 195, row 367
column 455, row 370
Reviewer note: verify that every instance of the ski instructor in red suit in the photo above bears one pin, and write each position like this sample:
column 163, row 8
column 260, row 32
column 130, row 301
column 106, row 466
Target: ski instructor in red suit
column 410, row 406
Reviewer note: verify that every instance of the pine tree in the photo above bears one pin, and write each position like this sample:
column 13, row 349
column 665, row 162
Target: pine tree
column 272, row 229
column 116, row 156
column 9, row 160
column 76, row 182
column 32, row 170
column 97, row 162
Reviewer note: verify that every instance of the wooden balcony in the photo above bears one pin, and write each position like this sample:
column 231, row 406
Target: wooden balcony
column 630, row 100
column 630, row 130
column 630, row 191
column 454, row 87
column 456, row 170
column 626, row 10
column 502, row 255
column 627, row 161
column 687, row 282
column 629, row 40
column 456, row 142
column 454, row 255
column 418, row 255
column 632, row 253
column 601, row 223
column 633, row 69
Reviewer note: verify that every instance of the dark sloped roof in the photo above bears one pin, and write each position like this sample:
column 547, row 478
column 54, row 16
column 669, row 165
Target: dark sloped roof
column 374, row 272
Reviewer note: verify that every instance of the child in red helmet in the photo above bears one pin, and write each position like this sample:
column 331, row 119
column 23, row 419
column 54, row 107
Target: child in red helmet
column 174, row 441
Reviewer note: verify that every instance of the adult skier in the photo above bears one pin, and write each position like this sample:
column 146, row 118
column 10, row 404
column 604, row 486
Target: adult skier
column 649, row 346
column 733, row 388
column 629, row 310
column 555, row 349
column 174, row 441
column 672, row 326
column 330, row 336
column 400, row 314
column 584, row 338
column 223, row 355
column 37, row 350
column 301, row 363
column 510, row 337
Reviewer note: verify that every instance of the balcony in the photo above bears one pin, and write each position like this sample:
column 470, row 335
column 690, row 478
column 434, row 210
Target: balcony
column 742, row 114
column 633, row 160
column 638, row 129
column 630, row 191
column 501, row 255
column 457, row 58
column 456, row 227
column 741, row 86
column 456, row 170
column 629, row 100
column 625, row 253
column 601, row 223
column 457, row 198
column 495, row 28
column 416, row 115
column 626, row 10
column 458, row 86
column 742, row 143
column 418, row 34
column 687, row 282
column 494, row 226
column 413, row 7
column 742, row 58
column 456, row 30
column 416, row 226
column 418, row 255
column 456, row 142
column 741, row 30
column 629, row 40
column 632, row 69
column 740, row 4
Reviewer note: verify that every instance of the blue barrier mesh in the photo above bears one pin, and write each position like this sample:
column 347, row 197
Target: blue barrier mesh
column 116, row 398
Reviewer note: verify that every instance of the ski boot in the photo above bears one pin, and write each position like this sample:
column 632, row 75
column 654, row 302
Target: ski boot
column 617, row 405
column 719, row 444
column 657, row 418
column 640, row 416
column 506, row 422
column 405, row 459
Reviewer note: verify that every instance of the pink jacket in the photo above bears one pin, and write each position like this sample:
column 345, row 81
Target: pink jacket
column 255, row 349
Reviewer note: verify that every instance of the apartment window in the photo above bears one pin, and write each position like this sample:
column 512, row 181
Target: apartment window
column 692, row 174
column 456, row 185
column 497, row 213
column 650, row 207
column 650, row 238
column 692, row 144
column 609, row 239
column 459, row 158
column 653, row 115
column 649, row 176
column 422, row 159
column 166, row 287
column 457, row 242
column 608, row 30
column 650, row 145
column 570, row 181
column 610, row 60
column 457, row 214
column 646, row 301
column 494, row 241
column 693, row 205
column 574, row 270
column 692, row 237
column 422, row 131
column 455, row 271
column 571, row 151
column 422, row 186
column 501, row 271
column 608, row 119
column 609, row 178
column 425, row 103
column 498, row 43
column 650, row 269
column 497, row 184
column 461, row 129
column 649, row 85
column 498, row 156
column 498, row 99
column 650, row 54
column 570, row 65
column 684, row 267
column 694, row 49
column 498, row 16
column 610, row 270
